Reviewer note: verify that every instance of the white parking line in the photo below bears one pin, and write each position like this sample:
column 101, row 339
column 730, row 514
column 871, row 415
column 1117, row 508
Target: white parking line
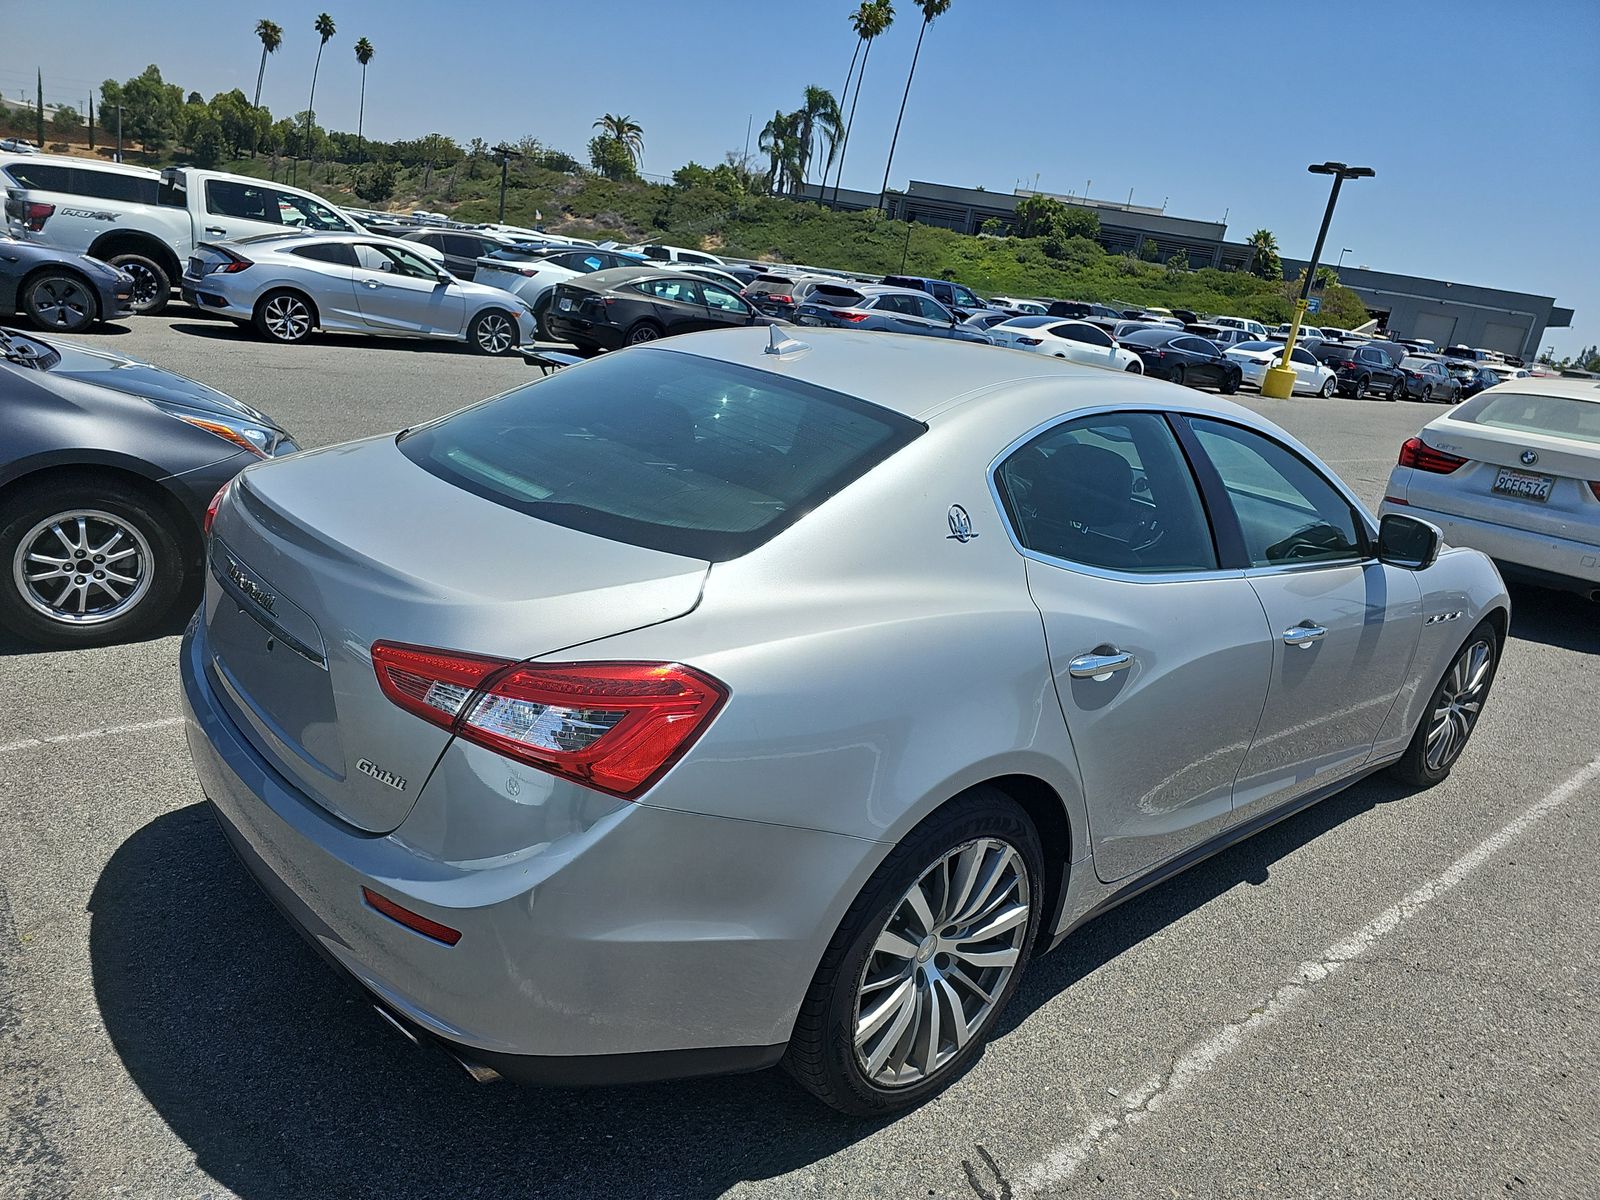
column 90, row 734
column 1155, row 1092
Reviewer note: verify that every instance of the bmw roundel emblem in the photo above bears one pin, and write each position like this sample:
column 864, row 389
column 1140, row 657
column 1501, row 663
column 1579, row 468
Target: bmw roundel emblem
column 1529, row 457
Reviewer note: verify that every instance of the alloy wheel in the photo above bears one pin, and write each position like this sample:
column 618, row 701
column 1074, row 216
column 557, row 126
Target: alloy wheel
column 495, row 334
column 941, row 963
column 82, row 567
column 146, row 286
column 1460, row 701
column 62, row 302
column 645, row 333
column 287, row 318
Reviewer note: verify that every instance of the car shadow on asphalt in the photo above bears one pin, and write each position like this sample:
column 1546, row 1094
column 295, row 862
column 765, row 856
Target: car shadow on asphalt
column 228, row 331
column 283, row 1082
column 171, row 625
column 1560, row 619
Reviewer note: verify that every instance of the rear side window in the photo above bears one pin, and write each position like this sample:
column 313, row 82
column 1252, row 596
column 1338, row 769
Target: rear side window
column 43, row 177
column 328, row 252
column 110, row 185
column 662, row 449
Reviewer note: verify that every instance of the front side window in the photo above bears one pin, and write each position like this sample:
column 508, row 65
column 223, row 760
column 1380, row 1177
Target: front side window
column 663, row 449
column 933, row 311
column 965, row 299
column 1288, row 513
column 721, row 298
column 1110, row 491
column 394, row 261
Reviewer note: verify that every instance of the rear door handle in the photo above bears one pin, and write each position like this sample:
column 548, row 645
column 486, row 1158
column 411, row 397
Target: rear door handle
column 215, row 229
column 1303, row 635
column 1098, row 666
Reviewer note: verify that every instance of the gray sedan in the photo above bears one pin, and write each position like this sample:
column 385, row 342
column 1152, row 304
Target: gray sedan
column 286, row 285
column 886, row 309
column 741, row 699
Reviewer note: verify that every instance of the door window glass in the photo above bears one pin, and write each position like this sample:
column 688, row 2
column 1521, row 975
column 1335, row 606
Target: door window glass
column 328, row 252
column 1108, row 491
column 42, row 177
column 721, row 298
column 394, row 261
column 1087, row 334
column 111, row 185
column 1305, row 357
column 933, row 310
column 678, row 291
column 1287, row 511
column 965, row 299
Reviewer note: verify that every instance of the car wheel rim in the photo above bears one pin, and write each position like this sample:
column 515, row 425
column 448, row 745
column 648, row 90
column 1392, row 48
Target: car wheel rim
column 287, row 318
column 145, row 285
column 941, row 963
column 495, row 335
column 642, row 334
column 64, row 303
column 1460, row 701
column 82, row 567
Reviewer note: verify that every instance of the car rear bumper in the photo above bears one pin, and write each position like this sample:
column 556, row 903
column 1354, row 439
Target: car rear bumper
column 574, row 329
column 1554, row 557
column 212, row 301
column 652, row 944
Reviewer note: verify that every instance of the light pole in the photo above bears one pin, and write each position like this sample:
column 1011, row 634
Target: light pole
column 1279, row 383
column 506, row 154
column 1340, row 263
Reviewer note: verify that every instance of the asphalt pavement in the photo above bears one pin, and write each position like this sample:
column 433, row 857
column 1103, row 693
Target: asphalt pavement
column 1390, row 995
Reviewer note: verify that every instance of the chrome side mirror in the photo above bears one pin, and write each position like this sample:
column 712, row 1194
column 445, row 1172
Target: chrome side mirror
column 1408, row 542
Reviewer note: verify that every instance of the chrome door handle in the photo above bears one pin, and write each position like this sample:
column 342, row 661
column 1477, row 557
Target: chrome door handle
column 215, row 229
column 1303, row 635
column 1099, row 666
column 372, row 283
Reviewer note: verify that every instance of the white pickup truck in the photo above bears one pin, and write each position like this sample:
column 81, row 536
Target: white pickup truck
column 148, row 222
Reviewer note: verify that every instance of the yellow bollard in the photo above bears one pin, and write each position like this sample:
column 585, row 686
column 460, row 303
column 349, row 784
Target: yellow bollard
column 1279, row 382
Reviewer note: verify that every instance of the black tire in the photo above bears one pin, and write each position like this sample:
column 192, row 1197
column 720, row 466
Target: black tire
column 641, row 332
column 1177, row 374
column 1398, row 391
column 493, row 332
column 1414, row 766
column 1135, row 368
column 1363, row 386
column 1327, row 388
column 821, row 1054
column 1230, row 383
column 541, row 317
column 1427, row 394
column 152, row 286
column 60, row 301
column 159, row 561
column 285, row 316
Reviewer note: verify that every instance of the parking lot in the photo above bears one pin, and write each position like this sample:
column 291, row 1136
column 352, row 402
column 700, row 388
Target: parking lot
column 1390, row 994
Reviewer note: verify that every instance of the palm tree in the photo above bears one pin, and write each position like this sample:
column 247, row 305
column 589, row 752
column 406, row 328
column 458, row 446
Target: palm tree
column 1264, row 259
column 364, row 53
column 818, row 118
column 271, row 36
column 870, row 20
column 780, row 139
column 625, row 130
column 930, row 10
column 325, row 30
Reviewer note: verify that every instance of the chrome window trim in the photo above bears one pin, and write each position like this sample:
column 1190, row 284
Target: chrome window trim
column 993, row 473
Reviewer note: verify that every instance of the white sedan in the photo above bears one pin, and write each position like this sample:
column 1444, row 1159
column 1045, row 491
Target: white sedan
column 1513, row 472
column 1075, row 341
column 1256, row 358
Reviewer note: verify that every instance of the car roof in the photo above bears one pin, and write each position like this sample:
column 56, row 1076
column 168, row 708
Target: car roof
column 599, row 281
column 91, row 164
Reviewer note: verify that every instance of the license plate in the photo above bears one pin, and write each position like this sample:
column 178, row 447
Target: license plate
column 566, row 304
column 1520, row 483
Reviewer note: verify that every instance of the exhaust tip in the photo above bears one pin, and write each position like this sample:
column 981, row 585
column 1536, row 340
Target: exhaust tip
column 476, row 1071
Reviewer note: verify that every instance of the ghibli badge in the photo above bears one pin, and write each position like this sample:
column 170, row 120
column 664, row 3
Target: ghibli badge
column 371, row 769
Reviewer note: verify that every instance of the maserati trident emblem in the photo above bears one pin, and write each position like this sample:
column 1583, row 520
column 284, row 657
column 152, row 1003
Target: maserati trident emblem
column 960, row 525
column 1529, row 457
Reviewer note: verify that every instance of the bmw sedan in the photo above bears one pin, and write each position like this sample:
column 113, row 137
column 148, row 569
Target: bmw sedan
column 1183, row 358
column 59, row 291
column 107, row 466
column 734, row 701
column 1514, row 472
column 288, row 284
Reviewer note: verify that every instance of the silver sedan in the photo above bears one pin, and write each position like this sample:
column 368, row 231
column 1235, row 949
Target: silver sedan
column 728, row 702
column 286, row 285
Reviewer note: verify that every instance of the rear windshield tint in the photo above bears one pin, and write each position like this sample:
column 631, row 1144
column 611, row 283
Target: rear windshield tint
column 662, row 449
column 1559, row 416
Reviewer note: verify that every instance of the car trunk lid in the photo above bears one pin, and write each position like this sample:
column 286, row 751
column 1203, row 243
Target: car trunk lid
column 310, row 566
column 1498, row 472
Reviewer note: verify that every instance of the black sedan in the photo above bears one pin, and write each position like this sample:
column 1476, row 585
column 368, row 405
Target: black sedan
column 1471, row 377
column 107, row 468
column 59, row 291
column 1169, row 353
column 626, row 306
column 1428, row 380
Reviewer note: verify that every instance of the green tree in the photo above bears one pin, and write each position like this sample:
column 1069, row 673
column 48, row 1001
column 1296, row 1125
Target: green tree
column 993, row 227
column 39, row 111
column 202, row 132
column 271, row 36
column 1039, row 216
column 237, row 120
column 1178, row 264
column 625, row 131
column 930, row 10
column 610, row 158
column 364, row 53
column 325, row 30
column 871, row 20
column 66, row 123
column 1079, row 222
column 780, row 141
column 151, row 107
column 1150, row 251
column 1264, row 260
column 377, row 182
column 819, row 120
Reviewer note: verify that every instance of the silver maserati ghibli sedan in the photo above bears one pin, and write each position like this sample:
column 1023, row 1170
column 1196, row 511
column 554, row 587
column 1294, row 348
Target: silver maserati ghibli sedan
column 734, row 701
column 286, row 285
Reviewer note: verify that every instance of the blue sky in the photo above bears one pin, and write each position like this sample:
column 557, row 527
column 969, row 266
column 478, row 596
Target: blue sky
column 1482, row 120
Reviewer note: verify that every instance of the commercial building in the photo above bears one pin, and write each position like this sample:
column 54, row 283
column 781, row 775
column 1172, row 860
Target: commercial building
column 1406, row 306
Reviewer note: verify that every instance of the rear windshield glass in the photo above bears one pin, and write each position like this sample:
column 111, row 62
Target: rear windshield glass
column 1556, row 415
column 662, row 449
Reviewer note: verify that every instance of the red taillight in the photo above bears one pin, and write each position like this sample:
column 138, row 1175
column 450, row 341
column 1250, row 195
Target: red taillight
column 35, row 215
column 1595, row 488
column 234, row 265
column 1417, row 453
column 1027, row 341
column 777, row 299
column 216, row 503
column 411, row 920
column 844, row 315
column 615, row 727
column 529, row 272
column 1348, row 364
